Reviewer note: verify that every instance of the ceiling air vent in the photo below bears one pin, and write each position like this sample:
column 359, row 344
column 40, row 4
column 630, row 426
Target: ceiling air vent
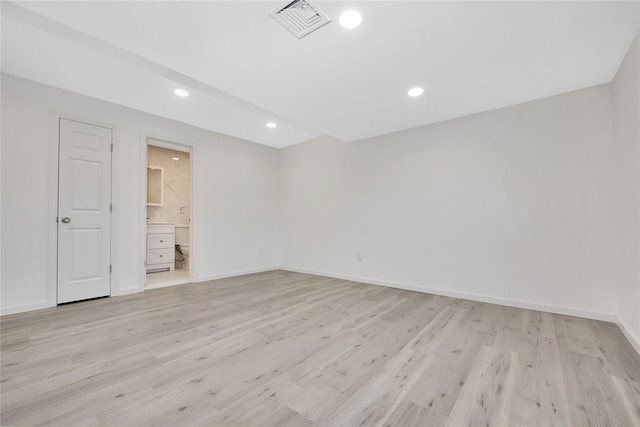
column 300, row 18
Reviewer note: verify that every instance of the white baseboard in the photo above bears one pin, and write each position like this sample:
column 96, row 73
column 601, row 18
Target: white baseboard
column 628, row 332
column 567, row 311
column 235, row 273
column 26, row 307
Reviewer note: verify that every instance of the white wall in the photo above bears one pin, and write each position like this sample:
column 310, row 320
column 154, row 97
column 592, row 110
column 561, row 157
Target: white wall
column 235, row 218
column 626, row 131
column 512, row 205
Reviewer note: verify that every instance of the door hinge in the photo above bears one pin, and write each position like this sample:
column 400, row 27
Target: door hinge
column 110, row 268
column 112, row 148
column 110, row 207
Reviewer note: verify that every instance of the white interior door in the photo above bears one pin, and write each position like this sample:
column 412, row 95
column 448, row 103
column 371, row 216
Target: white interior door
column 84, row 217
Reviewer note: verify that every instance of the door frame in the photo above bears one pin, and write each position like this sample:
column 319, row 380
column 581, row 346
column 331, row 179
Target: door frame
column 173, row 144
column 54, row 170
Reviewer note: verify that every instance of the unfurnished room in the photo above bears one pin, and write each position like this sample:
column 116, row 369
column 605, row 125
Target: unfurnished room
column 320, row 213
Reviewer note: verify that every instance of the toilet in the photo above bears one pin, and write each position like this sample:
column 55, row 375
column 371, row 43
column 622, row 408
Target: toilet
column 182, row 242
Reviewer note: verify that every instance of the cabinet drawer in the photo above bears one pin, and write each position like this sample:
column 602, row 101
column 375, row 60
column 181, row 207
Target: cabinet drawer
column 160, row 228
column 160, row 256
column 157, row 241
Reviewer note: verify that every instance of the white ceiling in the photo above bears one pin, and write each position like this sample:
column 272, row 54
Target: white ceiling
column 243, row 69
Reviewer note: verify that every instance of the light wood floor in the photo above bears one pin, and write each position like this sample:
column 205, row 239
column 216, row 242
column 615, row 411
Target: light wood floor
column 283, row 348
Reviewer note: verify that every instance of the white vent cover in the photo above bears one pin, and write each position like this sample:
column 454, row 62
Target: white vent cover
column 300, row 18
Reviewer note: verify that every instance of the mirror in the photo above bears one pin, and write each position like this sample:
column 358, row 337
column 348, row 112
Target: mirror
column 155, row 185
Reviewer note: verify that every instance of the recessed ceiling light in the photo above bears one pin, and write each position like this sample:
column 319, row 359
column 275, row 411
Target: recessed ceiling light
column 176, row 158
column 181, row 92
column 415, row 91
column 350, row 19
column 271, row 125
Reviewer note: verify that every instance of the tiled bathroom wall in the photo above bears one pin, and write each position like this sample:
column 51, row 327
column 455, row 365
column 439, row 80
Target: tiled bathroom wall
column 175, row 206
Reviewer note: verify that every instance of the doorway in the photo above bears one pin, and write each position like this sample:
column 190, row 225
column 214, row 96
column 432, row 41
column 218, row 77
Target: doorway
column 168, row 252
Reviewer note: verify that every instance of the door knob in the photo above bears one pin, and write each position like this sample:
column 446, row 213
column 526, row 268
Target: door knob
column 66, row 220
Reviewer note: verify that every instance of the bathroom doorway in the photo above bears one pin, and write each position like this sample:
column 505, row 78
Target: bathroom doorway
column 168, row 255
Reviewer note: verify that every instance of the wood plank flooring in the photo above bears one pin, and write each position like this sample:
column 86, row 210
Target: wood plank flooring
column 282, row 348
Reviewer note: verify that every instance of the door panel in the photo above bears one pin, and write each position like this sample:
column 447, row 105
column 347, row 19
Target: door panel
column 84, row 226
column 85, row 246
column 85, row 185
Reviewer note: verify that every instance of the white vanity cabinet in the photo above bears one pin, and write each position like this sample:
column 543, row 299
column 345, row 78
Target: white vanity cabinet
column 161, row 251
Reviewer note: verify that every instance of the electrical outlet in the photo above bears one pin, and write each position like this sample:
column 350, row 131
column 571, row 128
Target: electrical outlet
column 359, row 257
